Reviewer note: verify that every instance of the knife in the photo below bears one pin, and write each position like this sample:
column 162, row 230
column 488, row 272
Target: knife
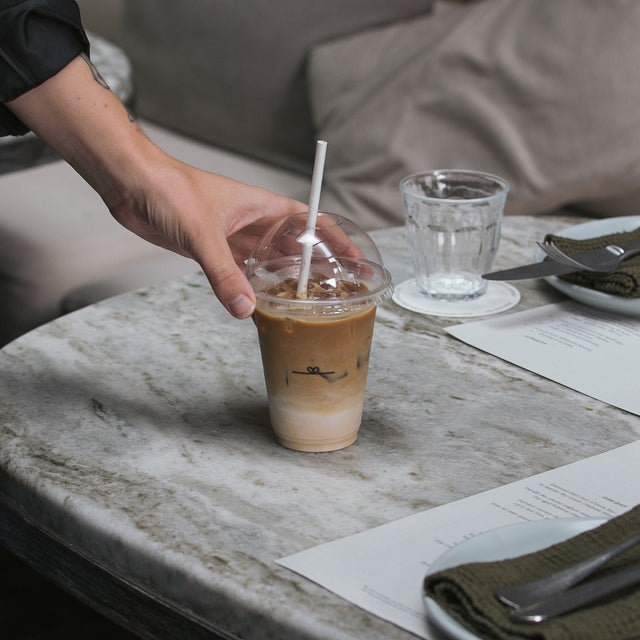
column 550, row 267
column 543, row 269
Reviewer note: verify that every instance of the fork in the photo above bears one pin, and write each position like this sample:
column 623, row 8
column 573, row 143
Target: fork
column 525, row 595
column 602, row 260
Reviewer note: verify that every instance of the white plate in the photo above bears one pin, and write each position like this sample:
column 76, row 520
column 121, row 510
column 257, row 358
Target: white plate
column 590, row 297
column 498, row 544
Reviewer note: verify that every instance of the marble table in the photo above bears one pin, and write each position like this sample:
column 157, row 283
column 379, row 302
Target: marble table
column 138, row 469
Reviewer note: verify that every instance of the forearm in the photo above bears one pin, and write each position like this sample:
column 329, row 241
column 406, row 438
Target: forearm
column 81, row 118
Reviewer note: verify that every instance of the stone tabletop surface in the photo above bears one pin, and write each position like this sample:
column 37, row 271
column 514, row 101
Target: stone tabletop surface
column 136, row 430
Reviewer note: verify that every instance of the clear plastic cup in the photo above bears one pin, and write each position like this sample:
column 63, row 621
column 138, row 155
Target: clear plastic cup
column 315, row 349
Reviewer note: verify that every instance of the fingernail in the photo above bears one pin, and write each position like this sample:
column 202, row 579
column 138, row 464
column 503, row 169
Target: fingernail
column 241, row 306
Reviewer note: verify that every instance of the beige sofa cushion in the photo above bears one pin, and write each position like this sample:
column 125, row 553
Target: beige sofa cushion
column 234, row 73
column 541, row 92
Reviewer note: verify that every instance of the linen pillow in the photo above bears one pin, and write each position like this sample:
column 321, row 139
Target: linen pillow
column 541, row 92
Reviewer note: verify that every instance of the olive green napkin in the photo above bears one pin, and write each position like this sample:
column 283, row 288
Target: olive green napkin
column 624, row 281
column 466, row 592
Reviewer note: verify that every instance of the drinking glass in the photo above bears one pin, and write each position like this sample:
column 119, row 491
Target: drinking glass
column 453, row 222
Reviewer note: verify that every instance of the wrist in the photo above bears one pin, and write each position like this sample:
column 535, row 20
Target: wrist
column 128, row 171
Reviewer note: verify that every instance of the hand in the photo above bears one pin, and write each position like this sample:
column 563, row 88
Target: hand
column 210, row 218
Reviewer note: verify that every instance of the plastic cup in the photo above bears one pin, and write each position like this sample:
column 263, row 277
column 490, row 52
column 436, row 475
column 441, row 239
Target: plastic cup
column 453, row 220
column 315, row 350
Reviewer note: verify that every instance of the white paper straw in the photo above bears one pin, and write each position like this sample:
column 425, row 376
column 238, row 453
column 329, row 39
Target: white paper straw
column 312, row 216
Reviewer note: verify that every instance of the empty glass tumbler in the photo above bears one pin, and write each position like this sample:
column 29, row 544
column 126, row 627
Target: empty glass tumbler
column 453, row 220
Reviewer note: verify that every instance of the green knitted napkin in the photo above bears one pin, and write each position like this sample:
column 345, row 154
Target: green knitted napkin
column 466, row 592
column 624, row 281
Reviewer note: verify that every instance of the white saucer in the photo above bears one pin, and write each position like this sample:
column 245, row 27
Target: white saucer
column 498, row 297
column 498, row 544
column 591, row 297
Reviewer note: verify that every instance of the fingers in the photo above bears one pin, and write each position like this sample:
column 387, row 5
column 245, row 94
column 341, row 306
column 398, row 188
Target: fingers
column 227, row 280
column 227, row 254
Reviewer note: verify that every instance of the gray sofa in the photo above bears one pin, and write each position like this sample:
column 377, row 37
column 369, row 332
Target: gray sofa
column 537, row 91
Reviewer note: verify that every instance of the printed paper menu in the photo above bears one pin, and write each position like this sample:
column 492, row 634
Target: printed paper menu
column 591, row 351
column 381, row 570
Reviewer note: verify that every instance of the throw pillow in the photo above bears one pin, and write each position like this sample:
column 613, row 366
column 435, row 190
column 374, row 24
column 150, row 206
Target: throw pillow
column 540, row 92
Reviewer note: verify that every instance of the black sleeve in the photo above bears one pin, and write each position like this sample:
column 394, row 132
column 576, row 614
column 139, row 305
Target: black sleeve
column 38, row 38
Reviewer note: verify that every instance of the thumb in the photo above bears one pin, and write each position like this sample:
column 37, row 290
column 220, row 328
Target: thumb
column 230, row 284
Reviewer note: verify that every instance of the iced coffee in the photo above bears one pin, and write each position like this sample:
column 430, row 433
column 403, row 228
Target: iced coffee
column 315, row 371
column 315, row 348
